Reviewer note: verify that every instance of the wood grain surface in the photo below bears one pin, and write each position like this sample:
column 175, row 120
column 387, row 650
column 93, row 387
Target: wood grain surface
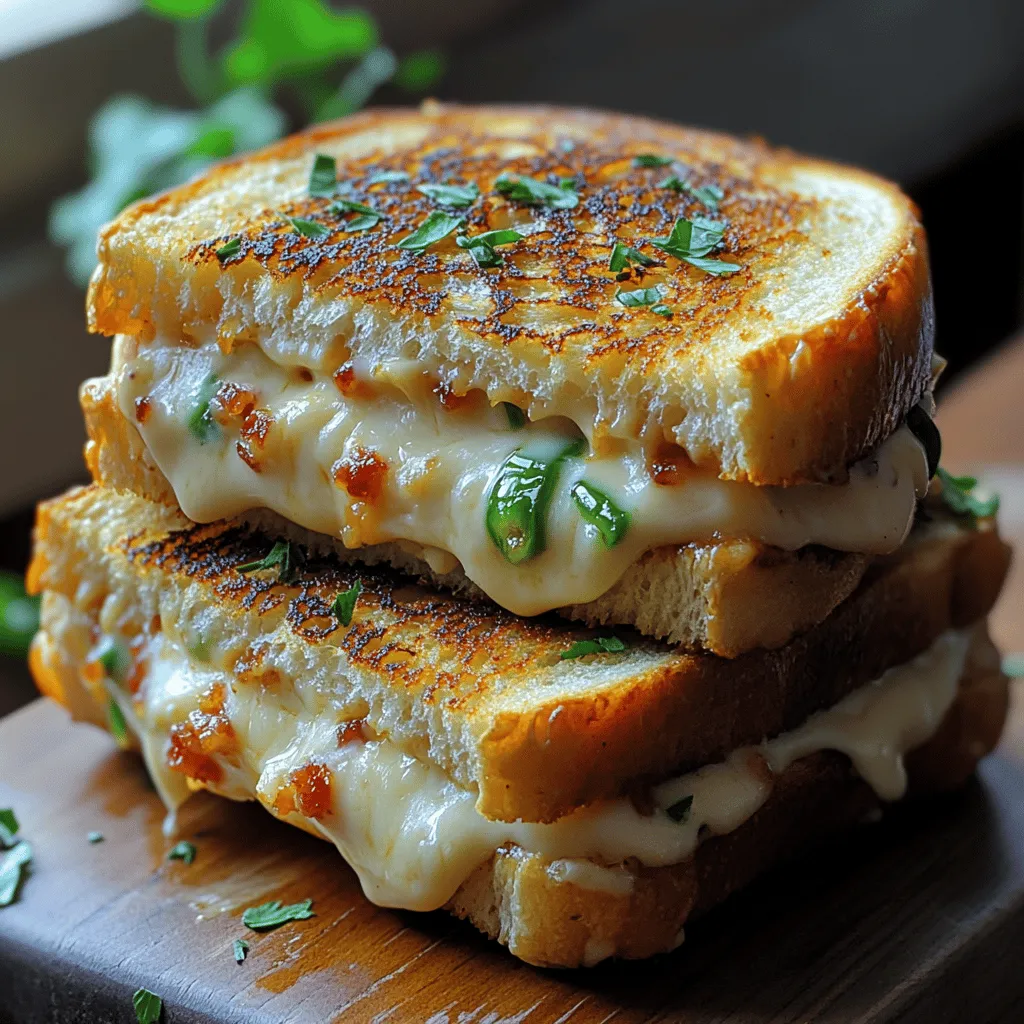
column 917, row 919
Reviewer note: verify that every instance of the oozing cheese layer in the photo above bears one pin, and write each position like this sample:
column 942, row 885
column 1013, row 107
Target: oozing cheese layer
column 389, row 460
column 413, row 837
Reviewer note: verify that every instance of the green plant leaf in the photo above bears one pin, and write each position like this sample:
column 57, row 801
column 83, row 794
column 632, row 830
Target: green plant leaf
column 117, row 724
column 19, row 615
column 421, row 71
column 8, row 827
column 345, row 603
column 181, row 10
column 282, row 41
column 434, row 227
column 240, row 948
column 148, row 1006
column 183, row 851
column 959, row 497
column 273, row 914
column 599, row 645
column 201, row 424
column 639, row 297
column 522, row 189
column 651, row 160
column 279, row 557
column 450, row 195
column 323, row 176
column 137, row 148
column 12, row 871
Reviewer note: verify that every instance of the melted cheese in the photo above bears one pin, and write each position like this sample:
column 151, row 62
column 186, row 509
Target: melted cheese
column 440, row 465
column 413, row 836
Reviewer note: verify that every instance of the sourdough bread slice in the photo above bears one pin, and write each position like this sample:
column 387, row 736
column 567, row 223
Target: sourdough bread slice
column 787, row 370
column 483, row 695
column 727, row 597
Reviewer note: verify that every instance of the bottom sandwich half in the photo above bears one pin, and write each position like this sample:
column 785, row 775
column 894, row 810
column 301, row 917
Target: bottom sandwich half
column 457, row 758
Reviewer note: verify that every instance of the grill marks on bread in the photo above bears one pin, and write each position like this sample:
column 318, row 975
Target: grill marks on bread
column 445, row 647
column 553, row 284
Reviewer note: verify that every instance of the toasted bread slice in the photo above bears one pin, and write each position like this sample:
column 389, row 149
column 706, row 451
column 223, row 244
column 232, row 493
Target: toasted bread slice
column 787, row 370
column 482, row 695
column 727, row 597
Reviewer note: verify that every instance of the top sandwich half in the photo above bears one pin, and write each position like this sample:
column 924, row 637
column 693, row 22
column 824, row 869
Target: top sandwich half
column 529, row 345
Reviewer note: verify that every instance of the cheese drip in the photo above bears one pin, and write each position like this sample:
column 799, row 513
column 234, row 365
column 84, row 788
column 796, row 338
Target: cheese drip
column 413, row 836
column 439, row 465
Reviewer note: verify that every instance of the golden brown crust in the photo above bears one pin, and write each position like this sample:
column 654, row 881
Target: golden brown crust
column 726, row 598
column 484, row 694
column 785, row 371
column 553, row 923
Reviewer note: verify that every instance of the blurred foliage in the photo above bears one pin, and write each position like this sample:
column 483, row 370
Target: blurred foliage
column 328, row 63
column 19, row 615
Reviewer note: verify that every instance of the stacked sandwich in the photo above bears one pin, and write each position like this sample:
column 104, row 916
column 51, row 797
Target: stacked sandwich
column 540, row 505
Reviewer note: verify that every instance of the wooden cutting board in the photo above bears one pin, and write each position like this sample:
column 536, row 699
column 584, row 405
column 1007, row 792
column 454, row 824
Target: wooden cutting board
column 920, row 918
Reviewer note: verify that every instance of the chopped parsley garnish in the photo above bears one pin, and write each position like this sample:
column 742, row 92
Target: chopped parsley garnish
column 201, row 424
column 436, row 226
column 115, row 659
column 345, row 603
column 481, row 247
column 521, row 189
column 957, row 493
column 923, row 428
column 623, row 256
column 662, row 310
column 148, row 1006
column 599, row 645
column 692, row 240
column 240, row 948
column 368, row 216
column 450, row 195
column 8, row 827
column 709, row 195
column 12, row 871
column 229, row 249
column 384, row 177
column 516, row 416
column 95, row 837
column 308, row 228
column 601, row 512
column 280, row 556
column 323, row 178
column 517, row 503
column 184, row 850
column 273, row 914
column 640, row 297
column 118, row 726
column 363, row 222
column 651, row 160
column 680, row 810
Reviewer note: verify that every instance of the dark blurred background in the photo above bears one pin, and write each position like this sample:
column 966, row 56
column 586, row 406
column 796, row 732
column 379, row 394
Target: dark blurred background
column 928, row 92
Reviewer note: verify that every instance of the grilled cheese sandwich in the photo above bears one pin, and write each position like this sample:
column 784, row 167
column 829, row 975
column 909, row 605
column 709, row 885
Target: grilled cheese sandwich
column 387, row 393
